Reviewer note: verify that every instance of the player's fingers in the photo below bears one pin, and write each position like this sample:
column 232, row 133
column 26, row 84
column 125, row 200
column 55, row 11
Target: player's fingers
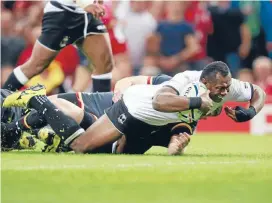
column 97, row 13
column 94, row 13
column 101, row 8
column 228, row 112
column 231, row 116
column 230, row 108
column 227, row 109
column 231, row 112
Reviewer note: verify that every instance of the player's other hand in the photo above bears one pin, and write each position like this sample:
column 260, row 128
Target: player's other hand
column 178, row 143
column 230, row 113
column 207, row 102
column 240, row 114
column 97, row 10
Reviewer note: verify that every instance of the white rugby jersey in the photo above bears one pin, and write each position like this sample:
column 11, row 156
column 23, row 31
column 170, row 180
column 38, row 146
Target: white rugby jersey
column 138, row 98
column 71, row 3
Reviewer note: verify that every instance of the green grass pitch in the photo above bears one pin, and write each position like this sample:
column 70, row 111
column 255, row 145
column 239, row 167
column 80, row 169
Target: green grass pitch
column 215, row 169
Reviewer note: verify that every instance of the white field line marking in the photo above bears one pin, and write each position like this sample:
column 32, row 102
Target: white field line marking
column 116, row 166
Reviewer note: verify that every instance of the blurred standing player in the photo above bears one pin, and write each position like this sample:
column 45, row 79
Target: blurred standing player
column 66, row 22
column 122, row 66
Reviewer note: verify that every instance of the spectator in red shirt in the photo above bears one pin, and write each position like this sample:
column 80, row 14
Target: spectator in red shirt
column 197, row 14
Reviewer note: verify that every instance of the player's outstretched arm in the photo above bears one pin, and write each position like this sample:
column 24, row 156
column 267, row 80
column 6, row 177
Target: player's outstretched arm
column 125, row 83
column 240, row 114
column 258, row 98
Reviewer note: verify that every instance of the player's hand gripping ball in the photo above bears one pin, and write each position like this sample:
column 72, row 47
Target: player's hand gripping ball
column 192, row 90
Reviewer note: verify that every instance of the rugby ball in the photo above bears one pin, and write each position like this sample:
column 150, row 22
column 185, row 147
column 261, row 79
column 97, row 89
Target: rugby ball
column 192, row 90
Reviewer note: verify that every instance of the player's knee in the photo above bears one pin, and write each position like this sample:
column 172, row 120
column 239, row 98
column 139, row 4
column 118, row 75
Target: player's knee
column 108, row 64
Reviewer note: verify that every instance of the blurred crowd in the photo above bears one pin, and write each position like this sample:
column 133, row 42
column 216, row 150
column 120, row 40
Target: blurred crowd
column 149, row 38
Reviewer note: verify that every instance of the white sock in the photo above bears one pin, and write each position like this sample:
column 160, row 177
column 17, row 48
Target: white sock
column 20, row 75
column 103, row 76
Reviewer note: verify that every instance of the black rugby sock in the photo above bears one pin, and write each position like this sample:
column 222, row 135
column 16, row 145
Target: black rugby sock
column 62, row 124
column 102, row 83
column 87, row 120
column 12, row 83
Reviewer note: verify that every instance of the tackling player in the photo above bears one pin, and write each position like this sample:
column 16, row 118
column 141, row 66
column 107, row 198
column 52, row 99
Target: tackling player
column 91, row 106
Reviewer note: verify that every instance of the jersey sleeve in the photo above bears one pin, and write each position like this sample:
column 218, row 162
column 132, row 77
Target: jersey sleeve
column 240, row 91
column 159, row 79
column 178, row 82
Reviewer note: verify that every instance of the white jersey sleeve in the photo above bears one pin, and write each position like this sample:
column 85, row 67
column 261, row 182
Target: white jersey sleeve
column 240, row 91
column 75, row 2
column 180, row 80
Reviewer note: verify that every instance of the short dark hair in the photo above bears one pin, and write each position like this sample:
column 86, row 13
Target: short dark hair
column 212, row 69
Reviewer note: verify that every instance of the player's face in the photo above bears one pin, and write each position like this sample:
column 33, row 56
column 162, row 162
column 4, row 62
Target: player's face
column 219, row 88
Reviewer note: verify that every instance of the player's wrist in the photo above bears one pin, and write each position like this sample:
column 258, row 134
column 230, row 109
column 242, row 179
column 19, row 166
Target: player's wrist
column 195, row 102
column 251, row 111
column 243, row 115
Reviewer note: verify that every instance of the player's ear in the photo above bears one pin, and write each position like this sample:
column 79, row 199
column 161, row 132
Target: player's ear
column 204, row 81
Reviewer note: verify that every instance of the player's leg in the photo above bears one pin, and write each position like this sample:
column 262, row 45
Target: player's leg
column 34, row 97
column 60, row 28
column 99, row 134
column 97, row 49
column 116, row 121
column 107, row 129
column 52, row 39
column 40, row 58
column 82, row 117
column 35, row 121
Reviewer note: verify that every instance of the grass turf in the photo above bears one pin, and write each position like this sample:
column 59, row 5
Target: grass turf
column 215, row 169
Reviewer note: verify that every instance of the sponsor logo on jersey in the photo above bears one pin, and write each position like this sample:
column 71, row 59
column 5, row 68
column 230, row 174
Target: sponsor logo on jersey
column 187, row 91
column 64, row 41
column 101, row 27
column 245, row 86
column 122, row 118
